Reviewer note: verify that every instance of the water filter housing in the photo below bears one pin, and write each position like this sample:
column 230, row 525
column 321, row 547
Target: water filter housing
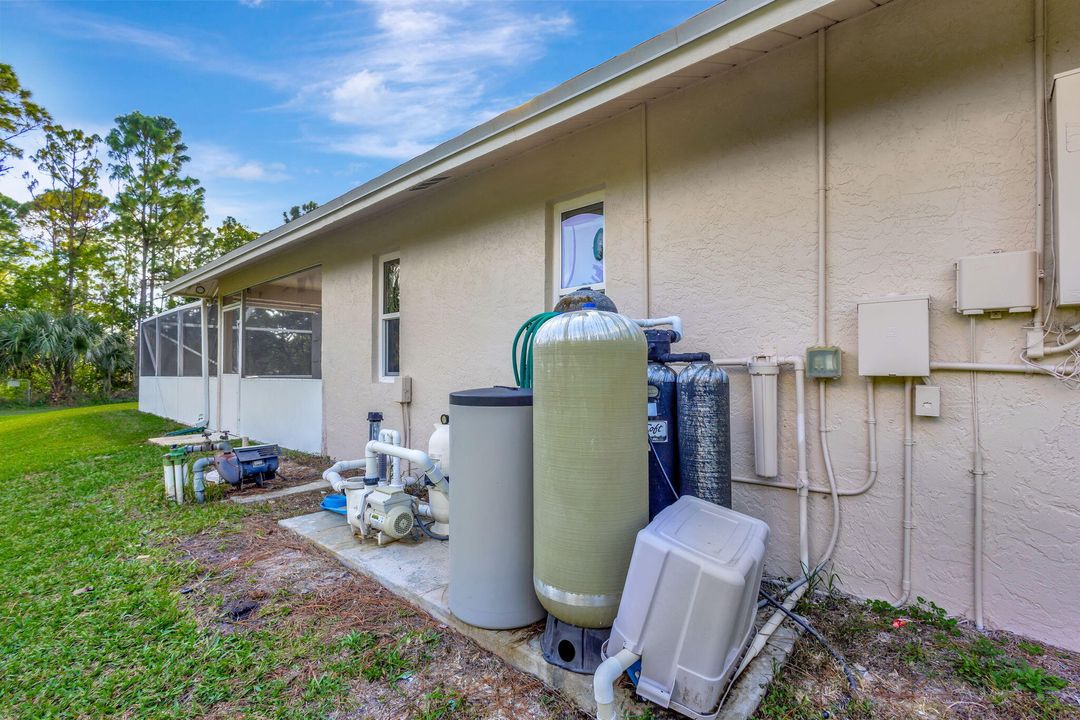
column 689, row 603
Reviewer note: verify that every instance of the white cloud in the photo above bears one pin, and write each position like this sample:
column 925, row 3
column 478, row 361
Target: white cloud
column 425, row 72
column 209, row 161
column 251, row 3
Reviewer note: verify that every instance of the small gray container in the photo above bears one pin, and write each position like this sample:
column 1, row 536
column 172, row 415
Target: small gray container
column 491, row 508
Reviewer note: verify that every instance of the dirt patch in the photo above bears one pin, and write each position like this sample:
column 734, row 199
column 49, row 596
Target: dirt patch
column 397, row 662
column 917, row 662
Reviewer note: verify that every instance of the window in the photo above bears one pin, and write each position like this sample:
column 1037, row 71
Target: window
column 148, row 348
column 191, row 342
column 390, row 317
column 168, row 345
column 230, row 351
column 579, row 243
column 279, row 342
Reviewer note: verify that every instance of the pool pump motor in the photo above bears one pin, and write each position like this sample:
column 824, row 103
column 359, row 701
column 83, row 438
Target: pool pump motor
column 255, row 463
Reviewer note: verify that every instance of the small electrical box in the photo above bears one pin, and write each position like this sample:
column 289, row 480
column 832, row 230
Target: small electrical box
column 823, row 362
column 405, row 383
column 928, row 400
column 894, row 336
column 1005, row 281
column 1065, row 153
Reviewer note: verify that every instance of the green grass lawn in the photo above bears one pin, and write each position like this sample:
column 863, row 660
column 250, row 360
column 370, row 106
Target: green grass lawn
column 81, row 506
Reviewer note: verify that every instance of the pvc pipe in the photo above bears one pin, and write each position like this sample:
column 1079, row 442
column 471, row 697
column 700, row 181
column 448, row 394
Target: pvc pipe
column 1040, row 153
column 1032, row 369
column 332, row 474
column 909, row 444
column 822, row 296
column 1055, row 349
column 977, row 473
column 199, row 481
column 417, row 457
column 645, row 221
column 607, row 673
column 770, row 627
column 673, row 320
column 394, row 438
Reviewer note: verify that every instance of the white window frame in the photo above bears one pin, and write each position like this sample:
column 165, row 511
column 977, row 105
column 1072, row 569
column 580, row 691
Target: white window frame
column 384, row 316
column 557, row 212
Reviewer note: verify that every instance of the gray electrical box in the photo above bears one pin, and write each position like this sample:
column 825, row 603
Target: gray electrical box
column 894, row 336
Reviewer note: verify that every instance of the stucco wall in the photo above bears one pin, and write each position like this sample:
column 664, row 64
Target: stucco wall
column 930, row 157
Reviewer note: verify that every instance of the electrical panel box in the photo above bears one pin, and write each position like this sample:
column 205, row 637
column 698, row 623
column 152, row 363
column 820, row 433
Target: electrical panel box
column 1006, row 281
column 1065, row 98
column 894, row 336
column 928, row 400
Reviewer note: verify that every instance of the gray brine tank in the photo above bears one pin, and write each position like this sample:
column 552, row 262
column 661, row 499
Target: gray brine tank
column 705, row 433
column 491, row 516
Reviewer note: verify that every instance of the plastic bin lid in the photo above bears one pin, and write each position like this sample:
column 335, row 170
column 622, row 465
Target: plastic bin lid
column 498, row 396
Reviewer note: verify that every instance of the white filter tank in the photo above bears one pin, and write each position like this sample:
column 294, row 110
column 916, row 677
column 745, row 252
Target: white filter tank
column 491, row 521
column 689, row 602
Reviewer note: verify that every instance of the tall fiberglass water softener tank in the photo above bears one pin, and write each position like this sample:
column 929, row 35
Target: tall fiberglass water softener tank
column 491, row 521
column 705, row 433
column 590, row 459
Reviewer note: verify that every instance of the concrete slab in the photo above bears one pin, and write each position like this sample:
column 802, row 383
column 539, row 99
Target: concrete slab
column 284, row 492
column 419, row 572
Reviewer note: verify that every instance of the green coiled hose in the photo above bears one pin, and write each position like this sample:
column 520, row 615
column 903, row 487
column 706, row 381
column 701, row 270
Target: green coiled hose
column 522, row 360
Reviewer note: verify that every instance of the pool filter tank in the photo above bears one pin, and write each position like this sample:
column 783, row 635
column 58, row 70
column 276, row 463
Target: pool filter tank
column 491, row 551
column 590, row 460
column 705, row 433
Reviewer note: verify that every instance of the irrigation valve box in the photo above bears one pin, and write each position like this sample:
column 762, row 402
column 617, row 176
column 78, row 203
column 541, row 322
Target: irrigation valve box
column 894, row 336
column 689, row 602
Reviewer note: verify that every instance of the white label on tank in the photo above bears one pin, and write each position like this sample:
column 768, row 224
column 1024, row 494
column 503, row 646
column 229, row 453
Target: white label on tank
column 658, row 431
column 652, row 410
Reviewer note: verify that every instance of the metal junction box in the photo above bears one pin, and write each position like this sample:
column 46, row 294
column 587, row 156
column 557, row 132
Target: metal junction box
column 1065, row 152
column 894, row 336
column 1007, row 281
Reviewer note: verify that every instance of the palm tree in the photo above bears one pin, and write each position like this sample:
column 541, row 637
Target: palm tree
column 112, row 355
column 36, row 339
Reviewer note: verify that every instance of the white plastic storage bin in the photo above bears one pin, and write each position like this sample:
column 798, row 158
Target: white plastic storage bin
column 689, row 602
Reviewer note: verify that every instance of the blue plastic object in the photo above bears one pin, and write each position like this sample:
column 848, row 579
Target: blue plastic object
column 634, row 672
column 334, row 503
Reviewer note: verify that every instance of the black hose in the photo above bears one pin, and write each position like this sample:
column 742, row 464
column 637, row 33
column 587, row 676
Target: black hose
column 426, row 529
column 805, row 625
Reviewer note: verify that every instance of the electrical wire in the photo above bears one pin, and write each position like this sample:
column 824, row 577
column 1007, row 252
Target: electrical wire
column 426, row 529
column 805, row 625
column 670, row 484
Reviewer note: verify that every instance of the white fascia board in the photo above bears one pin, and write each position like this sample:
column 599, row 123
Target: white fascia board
column 719, row 28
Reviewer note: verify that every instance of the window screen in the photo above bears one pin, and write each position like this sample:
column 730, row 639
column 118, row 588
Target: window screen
column 168, row 345
column 230, row 351
column 212, row 338
column 148, row 348
column 582, row 248
column 191, row 340
column 279, row 342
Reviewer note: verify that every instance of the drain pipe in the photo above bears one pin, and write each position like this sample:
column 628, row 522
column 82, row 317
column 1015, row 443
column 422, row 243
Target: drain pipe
column 604, row 679
column 978, row 474
column 418, row 457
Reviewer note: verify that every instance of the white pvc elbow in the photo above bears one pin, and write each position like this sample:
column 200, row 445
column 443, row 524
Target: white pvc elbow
column 604, row 680
column 332, row 475
column 673, row 320
column 418, row 457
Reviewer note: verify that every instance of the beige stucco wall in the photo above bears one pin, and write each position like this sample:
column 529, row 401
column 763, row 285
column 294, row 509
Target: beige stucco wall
column 930, row 157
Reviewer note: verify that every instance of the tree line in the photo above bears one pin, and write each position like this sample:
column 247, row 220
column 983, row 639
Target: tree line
column 80, row 266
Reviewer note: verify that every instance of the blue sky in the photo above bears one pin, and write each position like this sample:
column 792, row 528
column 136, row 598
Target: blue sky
column 284, row 102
